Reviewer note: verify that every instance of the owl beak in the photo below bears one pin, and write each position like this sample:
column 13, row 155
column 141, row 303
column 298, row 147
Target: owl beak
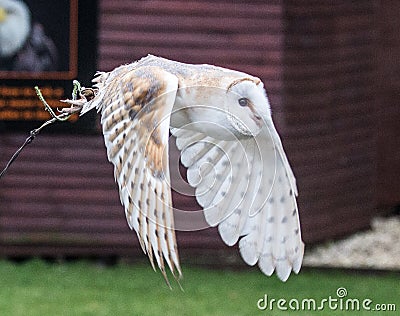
column 258, row 120
column 256, row 116
column 3, row 15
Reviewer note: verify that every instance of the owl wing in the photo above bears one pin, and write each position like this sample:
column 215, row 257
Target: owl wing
column 247, row 188
column 136, row 107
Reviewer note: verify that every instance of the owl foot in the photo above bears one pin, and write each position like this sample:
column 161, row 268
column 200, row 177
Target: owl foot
column 85, row 95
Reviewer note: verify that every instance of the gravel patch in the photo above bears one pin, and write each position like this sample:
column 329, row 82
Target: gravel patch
column 378, row 248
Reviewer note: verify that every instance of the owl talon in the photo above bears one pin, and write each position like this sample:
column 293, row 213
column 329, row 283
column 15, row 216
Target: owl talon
column 75, row 107
column 78, row 103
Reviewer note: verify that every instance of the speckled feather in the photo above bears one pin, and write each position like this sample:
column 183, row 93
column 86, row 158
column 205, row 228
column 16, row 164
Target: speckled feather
column 250, row 198
column 135, row 119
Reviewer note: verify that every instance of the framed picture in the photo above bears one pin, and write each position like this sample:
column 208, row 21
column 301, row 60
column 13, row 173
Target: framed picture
column 46, row 44
column 38, row 39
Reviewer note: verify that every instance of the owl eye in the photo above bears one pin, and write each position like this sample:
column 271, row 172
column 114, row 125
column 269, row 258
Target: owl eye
column 243, row 102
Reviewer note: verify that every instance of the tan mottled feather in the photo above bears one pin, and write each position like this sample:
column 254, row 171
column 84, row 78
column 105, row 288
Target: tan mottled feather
column 135, row 108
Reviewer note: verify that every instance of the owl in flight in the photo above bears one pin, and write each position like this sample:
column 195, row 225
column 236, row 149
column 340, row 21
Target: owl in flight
column 234, row 157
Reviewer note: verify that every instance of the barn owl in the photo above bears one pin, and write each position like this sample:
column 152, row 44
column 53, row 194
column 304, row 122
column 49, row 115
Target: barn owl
column 222, row 123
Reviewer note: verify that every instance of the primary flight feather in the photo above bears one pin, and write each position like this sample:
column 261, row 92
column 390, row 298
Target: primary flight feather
column 223, row 127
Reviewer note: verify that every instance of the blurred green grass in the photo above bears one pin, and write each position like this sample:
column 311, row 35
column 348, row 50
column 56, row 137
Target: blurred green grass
column 83, row 288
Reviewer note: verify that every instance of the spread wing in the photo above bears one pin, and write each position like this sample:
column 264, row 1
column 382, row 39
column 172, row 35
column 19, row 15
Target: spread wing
column 247, row 188
column 136, row 107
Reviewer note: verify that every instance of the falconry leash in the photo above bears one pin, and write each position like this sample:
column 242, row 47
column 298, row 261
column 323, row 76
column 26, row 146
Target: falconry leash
column 64, row 115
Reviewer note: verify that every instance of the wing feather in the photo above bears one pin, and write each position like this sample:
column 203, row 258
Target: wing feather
column 248, row 189
column 136, row 107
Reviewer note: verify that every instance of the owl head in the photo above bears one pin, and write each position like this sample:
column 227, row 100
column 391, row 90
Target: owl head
column 236, row 107
column 15, row 26
column 246, row 106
